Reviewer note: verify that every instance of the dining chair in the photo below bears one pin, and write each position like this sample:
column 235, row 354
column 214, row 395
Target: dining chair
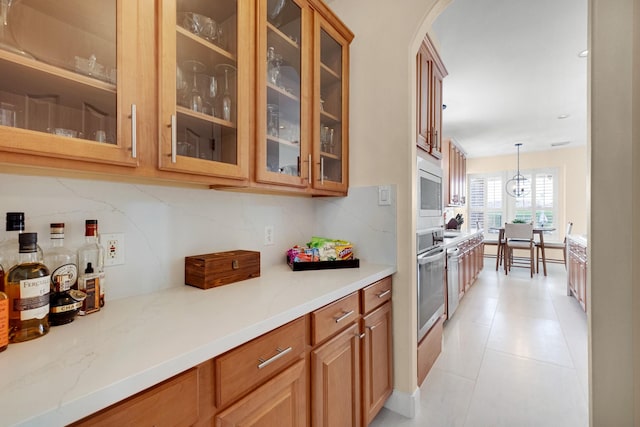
column 518, row 236
column 554, row 245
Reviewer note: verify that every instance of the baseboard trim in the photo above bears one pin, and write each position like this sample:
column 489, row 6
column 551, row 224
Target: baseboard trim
column 404, row 404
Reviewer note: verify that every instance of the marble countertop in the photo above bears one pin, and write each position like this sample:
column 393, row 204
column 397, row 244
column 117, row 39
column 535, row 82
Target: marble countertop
column 579, row 238
column 134, row 343
column 460, row 236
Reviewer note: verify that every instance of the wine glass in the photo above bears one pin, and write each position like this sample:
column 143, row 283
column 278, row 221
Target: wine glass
column 226, row 96
column 195, row 99
column 7, row 41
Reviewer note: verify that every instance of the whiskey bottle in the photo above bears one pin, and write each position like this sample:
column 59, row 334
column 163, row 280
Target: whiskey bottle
column 27, row 286
column 4, row 321
column 91, row 256
column 63, row 265
column 9, row 247
column 89, row 283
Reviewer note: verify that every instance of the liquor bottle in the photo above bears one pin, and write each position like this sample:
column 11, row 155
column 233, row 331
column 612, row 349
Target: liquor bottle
column 63, row 265
column 4, row 321
column 9, row 247
column 92, row 253
column 27, row 286
column 89, row 283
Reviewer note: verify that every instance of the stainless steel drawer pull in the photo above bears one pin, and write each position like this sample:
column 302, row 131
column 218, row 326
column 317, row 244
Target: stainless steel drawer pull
column 344, row 316
column 279, row 353
column 384, row 294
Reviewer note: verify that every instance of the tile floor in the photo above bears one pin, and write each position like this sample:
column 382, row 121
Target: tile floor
column 514, row 354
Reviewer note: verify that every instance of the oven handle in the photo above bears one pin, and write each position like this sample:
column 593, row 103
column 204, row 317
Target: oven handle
column 430, row 256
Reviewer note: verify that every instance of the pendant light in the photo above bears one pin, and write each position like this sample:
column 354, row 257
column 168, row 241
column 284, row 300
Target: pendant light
column 518, row 186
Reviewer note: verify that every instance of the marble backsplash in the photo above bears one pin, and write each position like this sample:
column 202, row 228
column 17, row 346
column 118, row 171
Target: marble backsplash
column 162, row 225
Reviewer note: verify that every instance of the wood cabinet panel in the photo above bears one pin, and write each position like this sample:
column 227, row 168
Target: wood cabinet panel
column 428, row 350
column 331, row 318
column 244, row 367
column 430, row 73
column 280, row 402
column 377, row 361
column 173, row 402
column 335, row 381
column 376, row 294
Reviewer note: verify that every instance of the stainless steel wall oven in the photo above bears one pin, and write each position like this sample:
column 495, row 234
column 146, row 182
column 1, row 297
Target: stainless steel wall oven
column 430, row 278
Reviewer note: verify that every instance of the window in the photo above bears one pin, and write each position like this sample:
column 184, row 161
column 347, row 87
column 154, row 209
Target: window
column 490, row 206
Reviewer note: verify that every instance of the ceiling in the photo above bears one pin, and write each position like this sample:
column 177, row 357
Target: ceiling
column 514, row 70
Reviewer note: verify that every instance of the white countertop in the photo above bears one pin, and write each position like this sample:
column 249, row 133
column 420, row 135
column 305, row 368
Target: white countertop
column 461, row 236
column 579, row 238
column 134, row 343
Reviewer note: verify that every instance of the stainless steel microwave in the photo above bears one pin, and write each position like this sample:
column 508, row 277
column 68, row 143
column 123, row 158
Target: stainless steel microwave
column 429, row 187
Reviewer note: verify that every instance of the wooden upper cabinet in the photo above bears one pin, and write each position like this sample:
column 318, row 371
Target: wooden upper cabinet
column 283, row 82
column 331, row 106
column 430, row 73
column 68, row 90
column 205, row 87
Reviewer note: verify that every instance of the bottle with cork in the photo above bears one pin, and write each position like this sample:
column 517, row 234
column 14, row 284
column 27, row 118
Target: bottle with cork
column 91, row 278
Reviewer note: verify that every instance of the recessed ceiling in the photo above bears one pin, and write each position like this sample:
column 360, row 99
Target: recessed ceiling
column 514, row 74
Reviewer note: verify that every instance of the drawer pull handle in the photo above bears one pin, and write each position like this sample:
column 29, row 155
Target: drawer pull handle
column 371, row 328
column 360, row 335
column 344, row 316
column 279, row 353
column 235, row 264
column 384, row 293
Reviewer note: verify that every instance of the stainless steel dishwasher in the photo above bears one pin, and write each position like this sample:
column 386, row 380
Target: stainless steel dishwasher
column 453, row 278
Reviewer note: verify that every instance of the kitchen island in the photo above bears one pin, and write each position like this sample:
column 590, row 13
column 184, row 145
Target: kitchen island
column 135, row 343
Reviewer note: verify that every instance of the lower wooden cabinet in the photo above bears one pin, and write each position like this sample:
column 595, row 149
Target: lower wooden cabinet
column 577, row 271
column 377, row 361
column 280, row 402
column 332, row 367
column 173, row 402
column 335, row 381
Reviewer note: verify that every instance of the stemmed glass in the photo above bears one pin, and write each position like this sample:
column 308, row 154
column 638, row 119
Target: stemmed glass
column 195, row 100
column 7, row 41
column 226, row 97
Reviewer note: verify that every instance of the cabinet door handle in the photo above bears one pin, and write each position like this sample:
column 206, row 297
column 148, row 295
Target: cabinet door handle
column 371, row 328
column 322, row 170
column 344, row 316
column 174, row 137
column 361, row 336
column 279, row 353
column 134, row 131
column 384, row 293
column 309, row 170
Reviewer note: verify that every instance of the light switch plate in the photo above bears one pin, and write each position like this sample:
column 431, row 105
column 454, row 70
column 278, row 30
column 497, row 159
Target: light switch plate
column 384, row 195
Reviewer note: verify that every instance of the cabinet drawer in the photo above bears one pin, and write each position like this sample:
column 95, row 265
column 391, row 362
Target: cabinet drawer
column 331, row 318
column 376, row 294
column 245, row 367
column 171, row 403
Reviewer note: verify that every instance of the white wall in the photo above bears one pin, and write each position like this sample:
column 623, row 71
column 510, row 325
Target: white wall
column 614, row 273
column 382, row 137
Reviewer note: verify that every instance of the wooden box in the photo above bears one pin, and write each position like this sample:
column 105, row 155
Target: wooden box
column 221, row 268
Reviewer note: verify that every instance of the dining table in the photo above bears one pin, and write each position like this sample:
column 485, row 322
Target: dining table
column 539, row 231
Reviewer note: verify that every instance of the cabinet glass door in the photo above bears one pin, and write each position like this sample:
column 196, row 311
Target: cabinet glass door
column 66, row 81
column 282, row 155
column 204, row 87
column 331, row 127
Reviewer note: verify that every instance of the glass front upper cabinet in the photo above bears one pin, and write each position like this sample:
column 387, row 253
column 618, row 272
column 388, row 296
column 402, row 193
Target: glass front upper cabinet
column 205, row 87
column 66, row 89
column 331, row 123
column 282, row 150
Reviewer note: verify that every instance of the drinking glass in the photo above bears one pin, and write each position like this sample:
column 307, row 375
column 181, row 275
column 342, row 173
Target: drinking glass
column 195, row 99
column 273, row 120
column 7, row 41
column 226, row 96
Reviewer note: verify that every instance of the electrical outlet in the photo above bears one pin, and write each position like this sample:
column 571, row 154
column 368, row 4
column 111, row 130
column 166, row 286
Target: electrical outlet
column 113, row 244
column 268, row 235
column 384, row 195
